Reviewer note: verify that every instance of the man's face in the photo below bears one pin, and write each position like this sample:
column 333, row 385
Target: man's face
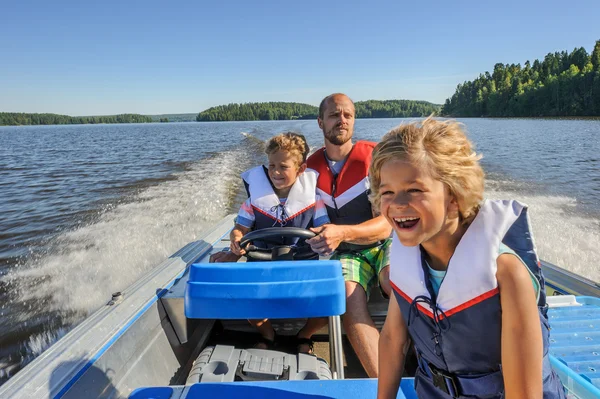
column 338, row 120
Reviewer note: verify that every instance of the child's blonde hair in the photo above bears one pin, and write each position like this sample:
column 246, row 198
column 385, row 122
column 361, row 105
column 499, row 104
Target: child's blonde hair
column 291, row 142
column 443, row 148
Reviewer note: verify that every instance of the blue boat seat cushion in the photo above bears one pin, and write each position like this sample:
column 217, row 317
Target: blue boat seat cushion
column 256, row 290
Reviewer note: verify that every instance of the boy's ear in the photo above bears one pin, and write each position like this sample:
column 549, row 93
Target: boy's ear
column 302, row 168
column 453, row 208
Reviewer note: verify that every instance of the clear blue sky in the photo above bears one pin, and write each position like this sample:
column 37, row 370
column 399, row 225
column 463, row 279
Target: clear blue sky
column 105, row 57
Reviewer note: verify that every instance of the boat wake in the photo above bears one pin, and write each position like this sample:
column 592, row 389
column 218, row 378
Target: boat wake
column 50, row 294
column 563, row 235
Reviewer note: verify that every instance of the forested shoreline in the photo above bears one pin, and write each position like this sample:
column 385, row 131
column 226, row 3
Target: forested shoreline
column 19, row 118
column 288, row 110
column 235, row 112
column 561, row 85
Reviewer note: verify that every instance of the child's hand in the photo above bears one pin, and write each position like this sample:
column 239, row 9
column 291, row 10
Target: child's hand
column 236, row 249
column 223, row 256
column 235, row 238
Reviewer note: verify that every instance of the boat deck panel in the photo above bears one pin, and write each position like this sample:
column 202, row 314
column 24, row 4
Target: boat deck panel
column 575, row 346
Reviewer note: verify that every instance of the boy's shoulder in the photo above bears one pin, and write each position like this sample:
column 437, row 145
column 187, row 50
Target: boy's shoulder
column 252, row 170
column 310, row 170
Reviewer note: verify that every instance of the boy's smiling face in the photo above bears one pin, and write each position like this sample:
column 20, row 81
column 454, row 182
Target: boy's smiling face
column 414, row 203
column 284, row 170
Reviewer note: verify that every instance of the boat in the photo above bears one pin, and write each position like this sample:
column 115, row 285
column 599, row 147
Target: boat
column 178, row 333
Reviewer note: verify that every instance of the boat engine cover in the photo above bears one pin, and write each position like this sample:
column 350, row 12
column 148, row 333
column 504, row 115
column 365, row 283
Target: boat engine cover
column 224, row 363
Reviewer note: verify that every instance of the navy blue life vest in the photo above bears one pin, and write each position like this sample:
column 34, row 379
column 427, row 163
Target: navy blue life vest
column 298, row 210
column 457, row 333
column 346, row 194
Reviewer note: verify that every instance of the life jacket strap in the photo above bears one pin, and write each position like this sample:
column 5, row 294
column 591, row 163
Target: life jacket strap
column 454, row 385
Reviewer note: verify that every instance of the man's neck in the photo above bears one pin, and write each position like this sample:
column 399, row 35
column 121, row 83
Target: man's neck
column 338, row 153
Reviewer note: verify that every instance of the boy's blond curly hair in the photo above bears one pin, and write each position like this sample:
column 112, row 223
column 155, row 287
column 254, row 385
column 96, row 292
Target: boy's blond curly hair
column 443, row 148
column 291, row 142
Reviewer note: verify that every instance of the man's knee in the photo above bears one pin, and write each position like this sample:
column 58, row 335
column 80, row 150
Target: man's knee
column 354, row 291
column 356, row 298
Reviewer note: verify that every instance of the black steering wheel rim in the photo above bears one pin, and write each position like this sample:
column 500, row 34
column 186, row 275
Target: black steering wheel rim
column 266, row 254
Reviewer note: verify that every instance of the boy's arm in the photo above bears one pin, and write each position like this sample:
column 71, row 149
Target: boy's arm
column 522, row 347
column 330, row 236
column 393, row 346
column 235, row 236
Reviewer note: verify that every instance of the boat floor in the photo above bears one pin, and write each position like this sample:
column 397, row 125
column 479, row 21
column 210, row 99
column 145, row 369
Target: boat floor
column 352, row 366
column 241, row 334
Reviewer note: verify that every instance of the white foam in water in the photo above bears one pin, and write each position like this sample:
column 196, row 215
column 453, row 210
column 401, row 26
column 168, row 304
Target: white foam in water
column 131, row 239
column 40, row 342
column 564, row 239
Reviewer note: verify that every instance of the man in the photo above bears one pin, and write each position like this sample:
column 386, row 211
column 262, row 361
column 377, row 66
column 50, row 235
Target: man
column 359, row 239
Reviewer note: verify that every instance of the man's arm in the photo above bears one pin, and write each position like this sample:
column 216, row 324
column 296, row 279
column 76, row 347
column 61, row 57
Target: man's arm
column 330, row 236
column 368, row 232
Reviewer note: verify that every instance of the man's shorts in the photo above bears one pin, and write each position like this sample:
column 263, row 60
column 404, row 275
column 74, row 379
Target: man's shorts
column 364, row 266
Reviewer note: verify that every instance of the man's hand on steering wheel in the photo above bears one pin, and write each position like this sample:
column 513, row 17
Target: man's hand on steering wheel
column 329, row 237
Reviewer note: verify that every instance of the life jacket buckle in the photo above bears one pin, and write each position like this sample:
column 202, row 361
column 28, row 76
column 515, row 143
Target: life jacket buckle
column 444, row 381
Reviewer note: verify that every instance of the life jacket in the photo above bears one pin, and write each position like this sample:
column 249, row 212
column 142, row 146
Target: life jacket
column 298, row 210
column 457, row 333
column 346, row 195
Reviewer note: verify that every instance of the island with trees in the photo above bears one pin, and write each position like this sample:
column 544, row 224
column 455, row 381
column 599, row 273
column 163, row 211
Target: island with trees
column 264, row 111
column 290, row 110
column 16, row 118
column 174, row 117
column 562, row 84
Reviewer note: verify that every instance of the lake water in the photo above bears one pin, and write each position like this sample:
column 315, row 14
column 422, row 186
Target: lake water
column 85, row 210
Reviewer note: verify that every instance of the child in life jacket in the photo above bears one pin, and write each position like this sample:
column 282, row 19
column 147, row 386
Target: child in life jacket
column 281, row 195
column 468, row 289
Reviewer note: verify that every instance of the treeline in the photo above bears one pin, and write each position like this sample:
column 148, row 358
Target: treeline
column 395, row 109
column 258, row 112
column 173, row 117
column 14, row 118
column 563, row 84
column 286, row 111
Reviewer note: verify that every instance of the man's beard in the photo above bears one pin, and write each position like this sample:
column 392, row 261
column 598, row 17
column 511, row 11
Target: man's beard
column 338, row 139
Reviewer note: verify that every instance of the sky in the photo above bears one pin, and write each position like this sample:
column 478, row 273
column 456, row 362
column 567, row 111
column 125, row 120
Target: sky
column 156, row 57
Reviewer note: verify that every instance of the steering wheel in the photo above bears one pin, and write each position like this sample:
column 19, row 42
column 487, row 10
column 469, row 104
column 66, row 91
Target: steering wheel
column 277, row 252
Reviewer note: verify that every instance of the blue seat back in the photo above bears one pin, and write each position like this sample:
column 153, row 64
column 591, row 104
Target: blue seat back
column 256, row 290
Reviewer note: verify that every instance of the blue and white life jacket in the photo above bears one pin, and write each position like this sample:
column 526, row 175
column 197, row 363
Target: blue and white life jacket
column 457, row 333
column 346, row 194
column 297, row 211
